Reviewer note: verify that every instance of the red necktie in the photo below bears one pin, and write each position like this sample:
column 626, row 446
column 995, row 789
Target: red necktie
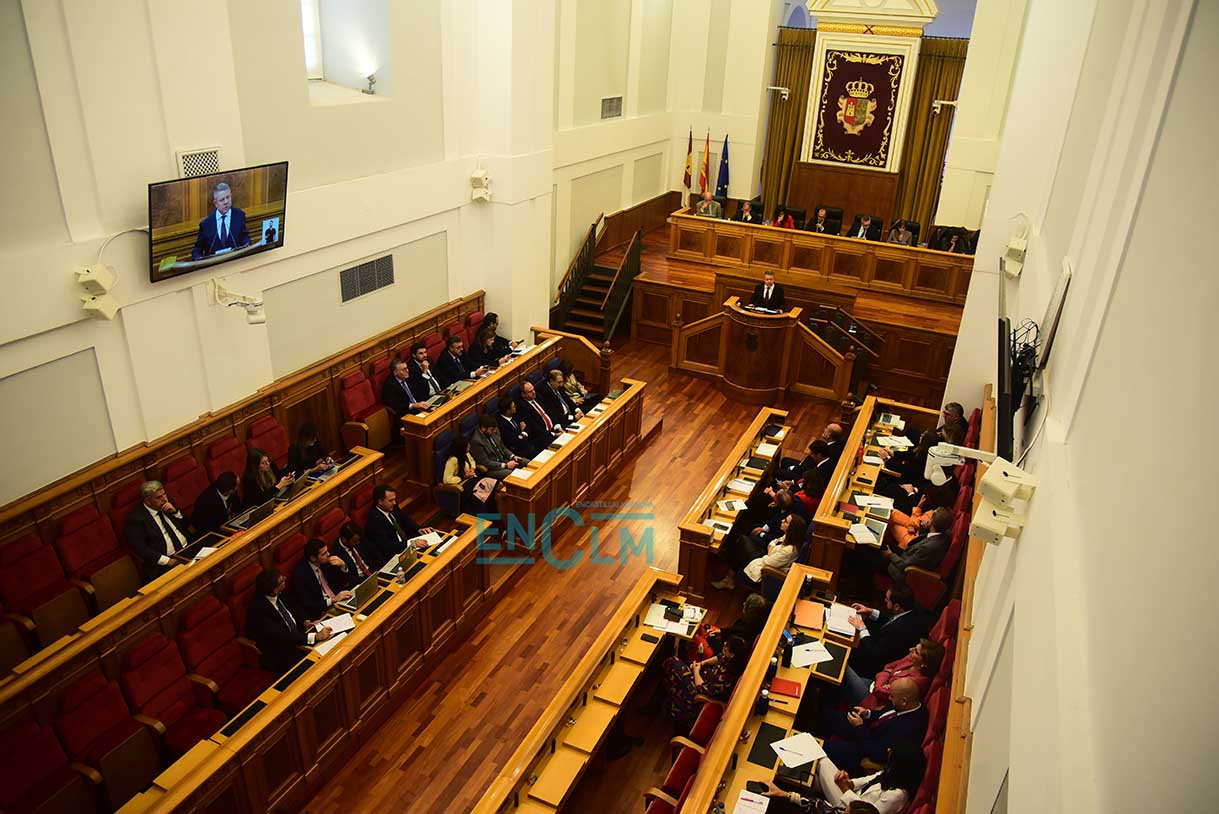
column 322, row 579
column 355, row 555
column 542, row 413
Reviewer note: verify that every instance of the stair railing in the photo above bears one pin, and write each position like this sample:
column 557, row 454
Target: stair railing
column 573, row 280
column 614, row 304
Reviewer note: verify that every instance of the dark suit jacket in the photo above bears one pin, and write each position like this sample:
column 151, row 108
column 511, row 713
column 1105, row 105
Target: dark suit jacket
column 147, row 540
column 254, row 494
column 477, row 357
column 449, row 368
column 301, row 457
column 307, row 590
column 379, row 533
column 278, row 643
column 836, row 450
column 875, row 737
column 888, row 639
column 557, row 404
column 396, row 399
column 210, row 512
column 827, row 226
column 517, row 440
column 873, row 230
column 754, row 217
column 371, row 557
column 207, row 241
column 926, row 551
column 534, row 425
column 421, row 386
column 777, row 301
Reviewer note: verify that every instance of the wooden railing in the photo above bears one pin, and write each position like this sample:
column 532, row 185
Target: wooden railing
column 569, row 287
column 958, row 733
column 614, row 304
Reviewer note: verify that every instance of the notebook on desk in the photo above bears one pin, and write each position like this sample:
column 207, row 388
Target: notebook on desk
column 437, row 400
column 253, row 516
column 290, row 492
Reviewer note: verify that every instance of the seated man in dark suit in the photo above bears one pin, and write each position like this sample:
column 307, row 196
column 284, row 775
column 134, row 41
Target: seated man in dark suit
column 216, row 505
column 562, row 410
column 925, row 551
column 155, row 530
column 953, row 414
column 421, row 379
column 222, row 230
column 819, row 224
column 362, row 561
column 502, row 345
column 541, row 427
column 397, row 393
column 319, row 580
column 792, row 471
column 835, row 438
column 884, row 636
column 489, row 450
column 868, row 733
column 453, row 366
column 388, row 527
column 864, row 229
column 768, row 294
column 745, row 214
column 277, row 630
column 513, row 431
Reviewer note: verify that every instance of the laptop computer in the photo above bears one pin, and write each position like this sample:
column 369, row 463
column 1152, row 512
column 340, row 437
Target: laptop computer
column 437, row 400
column 361, row 596
column 460, row 386
column 293, row 489
column 252, row 517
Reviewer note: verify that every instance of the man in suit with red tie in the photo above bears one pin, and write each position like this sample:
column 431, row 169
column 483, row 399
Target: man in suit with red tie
column 319, row 580
column 362, row 561
column 867, row 733
column 768, row 294
column 538, row 423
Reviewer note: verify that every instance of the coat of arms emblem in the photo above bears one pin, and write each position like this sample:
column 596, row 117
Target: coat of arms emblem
column 855, row 109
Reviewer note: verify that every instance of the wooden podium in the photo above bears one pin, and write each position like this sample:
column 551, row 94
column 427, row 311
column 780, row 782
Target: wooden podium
column 756, row 367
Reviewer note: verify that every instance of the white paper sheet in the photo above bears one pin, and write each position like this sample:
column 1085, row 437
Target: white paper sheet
column 564, row 439
column 520, row 474
column 798, row 750
column 730, row 505
column 742, row 485
column 340, row 624
column 810, row 653
column 862, row 534
column 836, row 617
column 766, row 450
column 328, row 645
column 204, row 551
column 749, row 803
column 543, row 456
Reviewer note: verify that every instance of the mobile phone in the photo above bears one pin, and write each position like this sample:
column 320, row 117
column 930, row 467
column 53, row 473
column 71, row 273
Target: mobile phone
column 648, row 637
column 755, row 786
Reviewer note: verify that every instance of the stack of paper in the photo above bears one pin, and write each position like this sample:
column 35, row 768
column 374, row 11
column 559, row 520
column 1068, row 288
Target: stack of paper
column 325, row 647
column 742, row 485
column 862, row 534
column 340, row 624
column 892, row 420
column 563, row 439
column 655, row 619
column 872, row 459
column 204, row 551
column 730, row 505
column 750, row 803
column 805, row 655
column 543, row 456
column 520, row 474
column 766, row 450
column 895, row 441
column 836, row 617
column 426, row 540
column 798, row 750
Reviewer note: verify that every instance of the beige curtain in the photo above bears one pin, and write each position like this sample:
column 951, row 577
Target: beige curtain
column 941, row 61
column 785, row 131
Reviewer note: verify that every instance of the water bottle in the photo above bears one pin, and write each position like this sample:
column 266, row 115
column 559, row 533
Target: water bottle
column 763, row 704
column 771, row 669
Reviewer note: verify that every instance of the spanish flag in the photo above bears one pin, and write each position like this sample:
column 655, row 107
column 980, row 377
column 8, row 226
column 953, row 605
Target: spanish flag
column 689, row 156
column 706, row 168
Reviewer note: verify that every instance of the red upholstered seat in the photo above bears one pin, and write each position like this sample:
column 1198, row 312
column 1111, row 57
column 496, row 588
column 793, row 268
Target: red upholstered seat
column 30, row 575
column 356, row 397
column 155, row 683
column 378, row 372
column 289, row 554
column 185, row 480
column 208, row 641
column 944, row 677
column 964, row 503
column 434, row 343
column 937, row 714
column 34, row 769
column 974, row 430
column 269, row 435
column 946, row 626
column 456, row 329
column 925, row 796
column 226, row 455
column 241, row 588
column 682, row 770
column 474, row 323
column 93, row 718
column 124, row 500
column 328, row 525
column 86, row 543
column 706, row 723
column 656, row 805
column 361, row 502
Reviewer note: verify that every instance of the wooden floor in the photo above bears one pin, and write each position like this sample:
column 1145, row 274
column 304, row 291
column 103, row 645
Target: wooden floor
column 441, row 749
column 873, row 307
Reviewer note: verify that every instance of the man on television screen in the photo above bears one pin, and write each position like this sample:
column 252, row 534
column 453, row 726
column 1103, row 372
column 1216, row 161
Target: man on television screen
column 224, row 229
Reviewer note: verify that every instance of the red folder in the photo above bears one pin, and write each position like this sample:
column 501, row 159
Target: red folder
column 785, row 686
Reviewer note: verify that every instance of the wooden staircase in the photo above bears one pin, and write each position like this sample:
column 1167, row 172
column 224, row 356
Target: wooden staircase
column 587, row 315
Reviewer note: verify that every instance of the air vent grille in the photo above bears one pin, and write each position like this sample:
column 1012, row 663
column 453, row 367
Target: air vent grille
column 366, row 277
column 193, row 163
column 611, row 107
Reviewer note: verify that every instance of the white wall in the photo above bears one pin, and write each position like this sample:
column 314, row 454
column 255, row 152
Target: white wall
column 603, row 34
column 1103, row 605
column 356, row 42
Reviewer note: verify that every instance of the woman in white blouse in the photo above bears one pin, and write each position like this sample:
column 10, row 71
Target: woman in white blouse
column 889, row 790
column 781, row 552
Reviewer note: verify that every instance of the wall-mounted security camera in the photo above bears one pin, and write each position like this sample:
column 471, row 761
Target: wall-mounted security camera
column 254, row 315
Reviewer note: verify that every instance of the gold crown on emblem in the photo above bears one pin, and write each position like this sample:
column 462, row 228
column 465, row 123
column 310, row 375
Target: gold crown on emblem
column 860, row 89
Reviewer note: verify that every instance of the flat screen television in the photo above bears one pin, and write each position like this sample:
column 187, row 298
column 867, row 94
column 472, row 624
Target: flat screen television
column 196, row 223
column 1004, row 406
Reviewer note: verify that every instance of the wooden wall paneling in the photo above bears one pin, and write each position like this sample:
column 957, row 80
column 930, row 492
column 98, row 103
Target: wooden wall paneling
column 850, row 265
column 691, row 306
column 439, row 612
column 892, row 271
column 364, row 687
column 621, row 225
column 768, row 251
column 274, row 768
column 224, row 792
column 322, row 718
column 934, row 278
column 468, row 580
column 852, row 189
column 405, row 645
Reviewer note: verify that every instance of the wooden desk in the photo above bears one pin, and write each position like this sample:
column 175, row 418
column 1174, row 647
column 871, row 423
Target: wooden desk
column 698, row 542
column 813, row 260
column 420, row 431
column 102, row 640
column 528, row 506
column 830, row 527
column 757, row 352
column 725, row 763
column 546, row 767
column 297, row 733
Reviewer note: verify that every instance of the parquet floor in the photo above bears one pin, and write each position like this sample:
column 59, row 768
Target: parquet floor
column 440, row 750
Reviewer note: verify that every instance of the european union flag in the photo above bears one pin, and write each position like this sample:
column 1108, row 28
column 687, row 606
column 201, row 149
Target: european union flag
column 721, row 186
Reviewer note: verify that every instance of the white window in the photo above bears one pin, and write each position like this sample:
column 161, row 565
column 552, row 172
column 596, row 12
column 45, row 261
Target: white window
column 311, row 23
